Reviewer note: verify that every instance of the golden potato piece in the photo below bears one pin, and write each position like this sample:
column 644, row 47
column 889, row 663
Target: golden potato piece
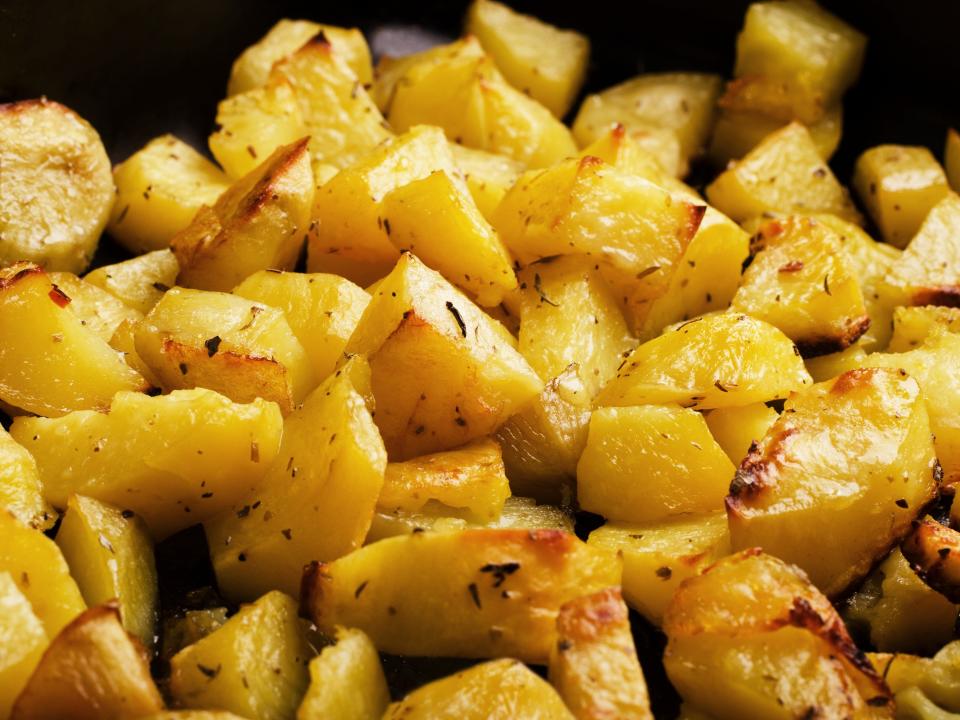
column 254, row 666
column 913, row 325
column 594, row 664
column 718, row 360
column 816, row 491
column 21, row 493
column 259, row 223
column 92, row 670
column 751, row 637
column 542, row 61
column 933, row 550
column 98, row 310
column 472, row 593
column 735, row 133
column 56, row 364
column 346, row 681
column 24, row 641
column 488, row 175
column 139, row 282
column 936, row 679
column 175, row 460
column 736, row 428
column 56, row 191
column 159, row 190
column 110, row 554
column 419, row 328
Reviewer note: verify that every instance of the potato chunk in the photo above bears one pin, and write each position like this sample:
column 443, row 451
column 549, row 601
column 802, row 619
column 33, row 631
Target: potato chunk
column 751, row 637
column 159, row 190
column 223, row 342
column 175, row 460
column 419, row 328
column 542, row 61
column 259, row 223
column 346, row 681
column 93, row 670
column 933, row 550
column 913, row 325
column 110, row 554
column 139, row 282
column 784, row 173
column 496, row 690
column 24, row 641
column 56, row 190
column 736, row 133
column 488, row 175
column 801, row 282
column 255, row 665
column 594, row 664
column 651, row 462
column 817, row 491
column 658, row 557
column 736, row 428
column 69, row 367
column 314, row 503
column 898, row 185
column 472, row 593
column 719, row 360
column 21, row 493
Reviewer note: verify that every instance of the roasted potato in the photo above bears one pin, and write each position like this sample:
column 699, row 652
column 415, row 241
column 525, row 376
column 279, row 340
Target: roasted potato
column 936, row 679
column 193, row 626
column 98, row 310
column 736, row 428
column 913, row 325
column 56, row 191
column 139, row 282
column 488, row 175
column 21, row 493
column 24, row 641
column 932, row 550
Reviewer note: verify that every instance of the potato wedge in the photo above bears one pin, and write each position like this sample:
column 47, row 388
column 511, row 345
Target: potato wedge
column 737, row 133
column 110, row 554
column 24, row 641
column 98, row 310
column 751, row 637
column 92, row 670
column 70, row 368
column 175, row 460
column 314, row 503
column 254, row 666
column 933, row 550
column 472, row 593
column 56, row 192
column 346, row 681
column 140, row 282
column 419, row 328
column 736, row 428
column 21, row 494
column 718, row 360
column 259, row 223
column 913, row 325
column 488, row 175
column 816, row 489
column 594, row 664
column 159, row 190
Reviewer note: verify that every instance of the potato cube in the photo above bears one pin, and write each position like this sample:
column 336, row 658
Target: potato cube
column 255, row 665
column 951, row 159
column 98, row 310
column 24, row 641
column 736, row 428
column 175, row 460
column 139, row 282
column 488, row 176
column 259, row 223
column 718, row 360
column 242, row 349
column 751, row 637
column 110, row 554
column 252, row 69
column 899, row 185
column 651, row 462
column 21, row 493
column 159, row 190
column 736, row 133
column 542, row 61
column 56, row 364
column 784, row 173
column 419, row 328
column 314, row 503
column 913, row 325
column 472, row 593
column 816, row 491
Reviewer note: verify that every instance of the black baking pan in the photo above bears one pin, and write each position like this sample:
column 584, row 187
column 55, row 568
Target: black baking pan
column 139, row 68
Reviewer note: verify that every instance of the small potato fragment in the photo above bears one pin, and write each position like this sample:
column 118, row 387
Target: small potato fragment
column 315, row 502
column 24, row 641
column 21, row 494
column 255, row 665
column 933, row 550
column 244, row 350
column 139, row 282
column 817, row 490
column 651, row 462
column 98, row 310
column 751, row 637
column 179, row 632
column 260, row 222
column 736, row 133
column 92, row 670
column 159, row 190
column 472, row 593
column 913, row 325
column 718, row 360
column 419, row 328
column 110, row 554
column 488, row 175
column 736, row 428
column 937, row 678
column 496, row 690
column 898, row 185
column 175, row 460
column 322, row 310
column 346, row 681
column 784, row 173
column 542, row 61
column 658, row 557
column 951, row 159
column 594, row 664
column 56, row 190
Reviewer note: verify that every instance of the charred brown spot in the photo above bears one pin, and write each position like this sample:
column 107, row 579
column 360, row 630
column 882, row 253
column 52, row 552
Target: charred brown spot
column 945, row 295
column 59, row 297
column 792, row 266
column 853, row 379
column 851, row 332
